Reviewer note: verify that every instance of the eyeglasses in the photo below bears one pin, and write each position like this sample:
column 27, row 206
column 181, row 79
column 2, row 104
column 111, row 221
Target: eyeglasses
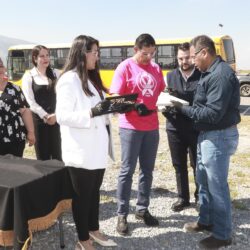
column 197, row 52
column 146, row 54
column 94, row 52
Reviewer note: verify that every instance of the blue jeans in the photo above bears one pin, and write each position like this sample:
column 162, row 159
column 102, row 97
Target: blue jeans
column 136, row 144
column 213, row 155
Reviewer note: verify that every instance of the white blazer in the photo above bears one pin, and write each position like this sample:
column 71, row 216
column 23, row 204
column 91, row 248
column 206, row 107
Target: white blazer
column 85, row 140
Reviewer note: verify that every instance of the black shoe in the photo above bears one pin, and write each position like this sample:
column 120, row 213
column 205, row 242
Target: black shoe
column 122, row 225
column 213, row 243
column 148, row 219
column 195, row 227
column 180, row 205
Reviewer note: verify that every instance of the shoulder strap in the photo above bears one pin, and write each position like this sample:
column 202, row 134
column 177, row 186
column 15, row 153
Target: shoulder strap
column 32, row 81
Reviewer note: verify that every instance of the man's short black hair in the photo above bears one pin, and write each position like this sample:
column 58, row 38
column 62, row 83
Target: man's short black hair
column 184, row 46
column 144, row 40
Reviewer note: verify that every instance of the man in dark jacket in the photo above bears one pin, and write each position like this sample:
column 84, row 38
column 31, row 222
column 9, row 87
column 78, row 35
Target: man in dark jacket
column 215, row 112
column 182, row 137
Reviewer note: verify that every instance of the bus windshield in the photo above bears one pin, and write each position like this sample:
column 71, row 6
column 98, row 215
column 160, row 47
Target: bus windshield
column 229, row 51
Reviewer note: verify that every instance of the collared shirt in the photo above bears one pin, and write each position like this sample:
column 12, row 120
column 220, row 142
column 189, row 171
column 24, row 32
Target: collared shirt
column 217, row 99
column 184, row 75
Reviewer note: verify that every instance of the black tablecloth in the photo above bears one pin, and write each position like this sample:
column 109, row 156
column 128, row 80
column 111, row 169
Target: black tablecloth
column 30, row 190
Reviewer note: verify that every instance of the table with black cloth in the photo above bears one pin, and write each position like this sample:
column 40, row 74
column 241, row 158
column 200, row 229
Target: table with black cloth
column 32, row 195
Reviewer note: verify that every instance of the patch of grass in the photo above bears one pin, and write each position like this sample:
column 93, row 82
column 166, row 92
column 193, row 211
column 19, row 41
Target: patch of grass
column 106, row 199
column 161, row 156
column 244, row 71
column 233, row 193
column 241, row 159
column 245, row 123
column 239, row 205
column 190, row 175
column 233, row 186
column 240, row 174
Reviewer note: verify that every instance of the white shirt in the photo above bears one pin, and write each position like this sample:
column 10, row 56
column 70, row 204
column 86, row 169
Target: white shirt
column 28, row 91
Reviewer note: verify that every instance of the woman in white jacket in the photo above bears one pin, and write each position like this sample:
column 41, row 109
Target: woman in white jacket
column 85, row 140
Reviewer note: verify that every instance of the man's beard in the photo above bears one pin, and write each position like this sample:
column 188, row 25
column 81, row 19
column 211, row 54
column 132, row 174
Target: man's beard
column 190, row 67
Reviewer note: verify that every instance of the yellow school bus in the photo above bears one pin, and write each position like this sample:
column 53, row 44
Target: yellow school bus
column 112, row 53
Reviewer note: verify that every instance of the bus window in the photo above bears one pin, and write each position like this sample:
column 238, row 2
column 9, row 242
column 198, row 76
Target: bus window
column 166, row 56
column 16, row 68
column 58, row 57
column 53, row 57
column 129, row 52
column 110, row 57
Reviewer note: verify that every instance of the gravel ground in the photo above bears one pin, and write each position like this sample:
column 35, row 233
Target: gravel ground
column 169, row 234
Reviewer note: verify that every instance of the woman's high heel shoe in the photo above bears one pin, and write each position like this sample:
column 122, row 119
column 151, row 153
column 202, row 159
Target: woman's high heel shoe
column 104, row 243
column 88, row 245
column 79, row 246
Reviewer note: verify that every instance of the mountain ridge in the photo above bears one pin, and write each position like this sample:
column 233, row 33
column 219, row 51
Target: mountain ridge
column 6, row 42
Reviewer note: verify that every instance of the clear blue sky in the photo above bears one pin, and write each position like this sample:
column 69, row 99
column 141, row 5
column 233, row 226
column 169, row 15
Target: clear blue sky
column 52, row 21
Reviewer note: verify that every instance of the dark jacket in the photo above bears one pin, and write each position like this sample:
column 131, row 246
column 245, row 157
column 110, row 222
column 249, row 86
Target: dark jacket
column 183, row 89
column 217, row 99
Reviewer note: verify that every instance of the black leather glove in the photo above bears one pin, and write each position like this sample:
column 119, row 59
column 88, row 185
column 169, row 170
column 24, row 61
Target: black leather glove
column 172, row 92
column 125, row 108
column 169, row 111
column 177, row 105
column 100, row 108
column 142, row 109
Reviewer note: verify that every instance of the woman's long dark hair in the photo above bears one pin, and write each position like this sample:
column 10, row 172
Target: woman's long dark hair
column 49, row 72
column 77, row 60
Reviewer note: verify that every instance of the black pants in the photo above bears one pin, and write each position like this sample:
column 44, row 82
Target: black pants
column 180, row 144
column 48, row 140
column 86, row 199
column 14, row 148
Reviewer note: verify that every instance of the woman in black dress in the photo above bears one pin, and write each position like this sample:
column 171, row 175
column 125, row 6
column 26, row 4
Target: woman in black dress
column 38, row 87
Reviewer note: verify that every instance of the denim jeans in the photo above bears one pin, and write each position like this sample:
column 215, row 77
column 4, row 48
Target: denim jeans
column 213, row 155
column 136, row 144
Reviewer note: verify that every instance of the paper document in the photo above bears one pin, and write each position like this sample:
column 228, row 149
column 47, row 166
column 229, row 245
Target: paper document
column 165, row 99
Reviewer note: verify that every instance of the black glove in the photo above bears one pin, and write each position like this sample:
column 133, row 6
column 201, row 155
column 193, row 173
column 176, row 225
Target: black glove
column 142, row 109
column 177, row 105
column 100, row 108
column 125, row 108
column 172, row 92
column 169, row 111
